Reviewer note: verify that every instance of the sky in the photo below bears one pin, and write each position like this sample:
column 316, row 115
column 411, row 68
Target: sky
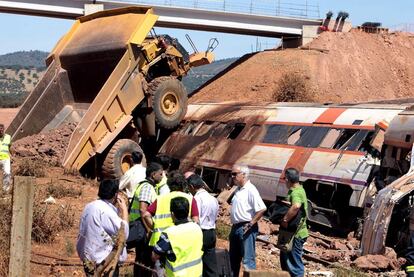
column 20, row 32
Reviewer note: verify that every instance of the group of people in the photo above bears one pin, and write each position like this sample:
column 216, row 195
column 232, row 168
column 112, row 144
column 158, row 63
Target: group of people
column 170, row 221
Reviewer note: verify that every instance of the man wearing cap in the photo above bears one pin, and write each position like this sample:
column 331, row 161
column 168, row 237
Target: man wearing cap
column 247, row 207
column 99, row 225
column 5, row 141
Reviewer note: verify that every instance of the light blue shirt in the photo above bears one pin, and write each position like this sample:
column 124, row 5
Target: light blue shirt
column 99, row 224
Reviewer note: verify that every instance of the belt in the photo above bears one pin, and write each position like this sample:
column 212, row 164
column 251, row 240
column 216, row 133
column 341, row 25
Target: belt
column 240, row 224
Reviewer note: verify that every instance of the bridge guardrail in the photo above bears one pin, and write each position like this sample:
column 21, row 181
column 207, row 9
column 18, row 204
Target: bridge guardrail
column 262, row 7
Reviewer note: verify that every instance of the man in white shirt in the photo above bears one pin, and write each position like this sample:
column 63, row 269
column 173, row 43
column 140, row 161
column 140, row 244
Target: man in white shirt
column 133, row 176
column 207, row 209
column 247, row 207
column 99, row 225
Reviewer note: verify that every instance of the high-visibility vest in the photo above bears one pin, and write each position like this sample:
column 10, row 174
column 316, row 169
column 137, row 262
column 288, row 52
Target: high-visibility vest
column 162, row 218
column 162, row 183
column 134, row 211
column 409, row 268
column 4, row 147
column 186, row 242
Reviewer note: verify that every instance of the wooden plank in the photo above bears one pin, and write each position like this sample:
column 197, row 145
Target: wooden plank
column 262, row 273
column 21, row 229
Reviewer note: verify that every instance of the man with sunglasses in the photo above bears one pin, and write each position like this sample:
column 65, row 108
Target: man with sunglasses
column 247, row 207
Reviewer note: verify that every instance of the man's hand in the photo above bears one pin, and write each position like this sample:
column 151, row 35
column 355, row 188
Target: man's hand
column 246, row 228
column 123, row 207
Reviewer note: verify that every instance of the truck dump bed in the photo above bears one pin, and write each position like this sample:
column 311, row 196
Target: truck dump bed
column 92, row 79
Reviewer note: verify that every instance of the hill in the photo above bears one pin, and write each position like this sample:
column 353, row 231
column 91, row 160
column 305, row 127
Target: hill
column 335, row 67
column 21, row 71
column 25, row 59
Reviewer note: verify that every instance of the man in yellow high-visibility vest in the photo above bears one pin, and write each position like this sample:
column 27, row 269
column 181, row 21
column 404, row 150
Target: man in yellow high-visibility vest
column 5, row 141
column 180, row 246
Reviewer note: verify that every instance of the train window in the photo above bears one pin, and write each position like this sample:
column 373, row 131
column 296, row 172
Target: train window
column 294, row 136
column 254, row 133
column 330, row 138
column 276, row 134
column 357, row 122
column 189, row 128
column 238, row 127
column 204, row 128
column 356, row 140
column 311, row 136
column 218, row 131
column 345, row 136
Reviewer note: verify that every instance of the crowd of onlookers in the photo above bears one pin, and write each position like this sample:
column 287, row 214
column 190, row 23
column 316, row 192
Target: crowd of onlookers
column 170, row 218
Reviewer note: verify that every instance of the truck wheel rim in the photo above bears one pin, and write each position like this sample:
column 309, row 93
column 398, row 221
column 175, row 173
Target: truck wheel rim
column 169, row 103
column 125, row 163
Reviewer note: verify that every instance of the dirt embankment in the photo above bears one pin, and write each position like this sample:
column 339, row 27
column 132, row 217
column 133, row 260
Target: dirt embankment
column 337, row 67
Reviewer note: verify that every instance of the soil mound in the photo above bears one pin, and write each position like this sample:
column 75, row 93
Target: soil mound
column 335, row 67
column 50, row 147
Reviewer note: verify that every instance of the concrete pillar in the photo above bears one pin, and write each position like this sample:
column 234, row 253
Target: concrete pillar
column 21, row 229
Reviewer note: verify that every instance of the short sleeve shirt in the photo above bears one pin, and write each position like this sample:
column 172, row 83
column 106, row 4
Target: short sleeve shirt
column 245, row 203
column 147, row 194
column 297, row 195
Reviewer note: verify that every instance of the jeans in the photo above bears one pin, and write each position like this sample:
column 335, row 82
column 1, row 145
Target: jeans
column 242, row 248
column 209, row 253
column 292, row 261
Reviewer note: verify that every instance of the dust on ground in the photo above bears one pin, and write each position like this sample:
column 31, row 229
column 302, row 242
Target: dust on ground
column 338, row 67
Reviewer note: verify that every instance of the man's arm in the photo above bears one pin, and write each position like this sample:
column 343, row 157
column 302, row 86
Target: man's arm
column 147, row 217
column 291, row 213
column 143, row 209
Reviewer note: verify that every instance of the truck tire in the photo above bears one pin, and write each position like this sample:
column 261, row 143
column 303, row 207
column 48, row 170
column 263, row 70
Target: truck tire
column 118, row 160
column 169, row 101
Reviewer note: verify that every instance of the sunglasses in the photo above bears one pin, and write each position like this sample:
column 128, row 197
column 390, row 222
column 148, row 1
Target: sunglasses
column 234, row 174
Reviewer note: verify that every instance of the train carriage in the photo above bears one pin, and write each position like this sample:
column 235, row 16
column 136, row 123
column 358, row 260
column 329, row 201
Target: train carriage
column 335, row 147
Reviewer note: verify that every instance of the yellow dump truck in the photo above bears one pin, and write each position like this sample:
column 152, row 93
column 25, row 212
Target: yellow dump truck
column 119, row 81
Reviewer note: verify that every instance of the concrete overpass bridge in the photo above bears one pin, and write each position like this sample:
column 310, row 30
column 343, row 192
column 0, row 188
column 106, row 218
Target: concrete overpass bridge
column 192, row 17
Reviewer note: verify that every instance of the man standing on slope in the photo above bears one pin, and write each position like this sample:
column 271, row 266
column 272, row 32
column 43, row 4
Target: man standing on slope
column 5, row 141
column 247, row 207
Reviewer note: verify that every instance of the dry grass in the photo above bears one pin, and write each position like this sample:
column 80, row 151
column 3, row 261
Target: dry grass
column 6, row 216
column 60, row 191
column 347, row 272
column 30, row 167
column 50, row 220
column 293, row 87
column 223, row 230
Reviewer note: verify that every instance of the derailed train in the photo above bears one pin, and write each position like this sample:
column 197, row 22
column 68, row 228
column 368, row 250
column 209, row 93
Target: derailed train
column 345, row 153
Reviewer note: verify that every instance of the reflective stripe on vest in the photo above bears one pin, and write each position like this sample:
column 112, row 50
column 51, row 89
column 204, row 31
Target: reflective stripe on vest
column 134, row 212
column 186, row 242
column 162, row 218
column 409, row 268
column 4, row 147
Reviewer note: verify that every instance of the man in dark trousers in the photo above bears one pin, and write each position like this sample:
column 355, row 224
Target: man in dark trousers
column 207, row 209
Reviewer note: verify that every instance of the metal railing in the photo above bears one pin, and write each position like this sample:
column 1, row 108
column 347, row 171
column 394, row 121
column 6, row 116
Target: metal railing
column 305, row 9
column 404, row 27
